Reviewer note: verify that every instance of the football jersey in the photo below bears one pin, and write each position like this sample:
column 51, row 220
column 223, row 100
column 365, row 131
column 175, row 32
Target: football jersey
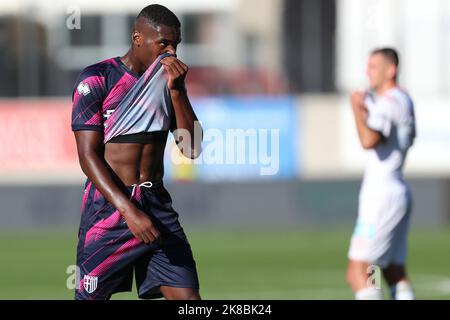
column 392, row 115
column 110, row 98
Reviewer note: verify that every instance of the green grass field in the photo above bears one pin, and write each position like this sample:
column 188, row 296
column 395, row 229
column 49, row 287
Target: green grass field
column 256, row 264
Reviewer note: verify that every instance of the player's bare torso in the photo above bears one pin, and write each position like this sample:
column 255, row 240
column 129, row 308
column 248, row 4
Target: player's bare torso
column 136, row 163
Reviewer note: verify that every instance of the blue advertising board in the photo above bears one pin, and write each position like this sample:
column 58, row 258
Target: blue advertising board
column 245, row 138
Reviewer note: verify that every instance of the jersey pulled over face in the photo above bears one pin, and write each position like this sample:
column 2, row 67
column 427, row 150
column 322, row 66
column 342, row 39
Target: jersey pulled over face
column 110, row 98
column 392, row 115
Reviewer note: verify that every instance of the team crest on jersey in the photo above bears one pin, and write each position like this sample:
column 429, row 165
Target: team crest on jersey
column 83, row 88
column 108, row 113
column 90, row 283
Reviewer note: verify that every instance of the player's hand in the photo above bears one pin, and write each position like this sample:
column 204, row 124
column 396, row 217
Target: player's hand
column 177, row 71
column 357, row 100
column 357, row 97
column 141, row 226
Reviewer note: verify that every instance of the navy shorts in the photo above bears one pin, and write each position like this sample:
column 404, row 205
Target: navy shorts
column 108, row 253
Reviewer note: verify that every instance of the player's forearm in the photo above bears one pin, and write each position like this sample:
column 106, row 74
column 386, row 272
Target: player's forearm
column 359, row 122
column 184, row 113
column 95, row 168
column 368, row 137
column 187, row 120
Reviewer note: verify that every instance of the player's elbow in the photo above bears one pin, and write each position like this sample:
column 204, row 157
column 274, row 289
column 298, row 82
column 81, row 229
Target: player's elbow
column 370, row 141
column 190, row 151
column 87, row 158
column 84, row 159
column 194, row 154
column 368, row 144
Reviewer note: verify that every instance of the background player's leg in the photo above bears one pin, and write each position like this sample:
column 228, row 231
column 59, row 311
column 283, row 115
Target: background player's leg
column 398, row 281
column 172, row 293
column 395, row 272
column 357, row 279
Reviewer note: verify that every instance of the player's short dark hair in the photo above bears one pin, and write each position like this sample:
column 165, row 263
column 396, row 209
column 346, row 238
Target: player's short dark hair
column 157, row 15
column 389, row 54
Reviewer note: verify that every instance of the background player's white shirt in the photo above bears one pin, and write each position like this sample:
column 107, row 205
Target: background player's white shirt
column 380, row 235
column 392, row 115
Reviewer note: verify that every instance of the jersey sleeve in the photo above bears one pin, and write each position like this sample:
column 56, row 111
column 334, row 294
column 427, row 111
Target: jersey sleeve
column 87, row 101
column 380, row 117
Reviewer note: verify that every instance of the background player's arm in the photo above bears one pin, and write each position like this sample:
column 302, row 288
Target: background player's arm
column 90, row 152
column 185, row 118
column 368, row 137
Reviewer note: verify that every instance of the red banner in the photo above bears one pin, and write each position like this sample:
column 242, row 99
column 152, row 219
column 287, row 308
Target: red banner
column 35, row 136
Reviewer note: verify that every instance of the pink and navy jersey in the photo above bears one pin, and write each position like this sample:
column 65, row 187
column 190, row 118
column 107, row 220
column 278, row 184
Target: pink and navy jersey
column 110, row 98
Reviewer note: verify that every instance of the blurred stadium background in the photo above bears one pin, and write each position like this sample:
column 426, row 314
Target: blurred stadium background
column 255, row 64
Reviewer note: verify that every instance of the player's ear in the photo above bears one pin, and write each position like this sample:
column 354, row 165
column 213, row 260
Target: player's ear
column 392, row 71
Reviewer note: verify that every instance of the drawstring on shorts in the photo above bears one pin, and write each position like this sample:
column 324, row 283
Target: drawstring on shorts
column 147, row 184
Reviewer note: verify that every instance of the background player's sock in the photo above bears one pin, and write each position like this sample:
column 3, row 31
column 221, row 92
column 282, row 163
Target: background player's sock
column 369, row 294
column 402, row 291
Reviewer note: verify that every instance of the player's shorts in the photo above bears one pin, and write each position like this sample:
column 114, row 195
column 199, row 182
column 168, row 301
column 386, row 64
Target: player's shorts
column 380, row 235
column 108, row 254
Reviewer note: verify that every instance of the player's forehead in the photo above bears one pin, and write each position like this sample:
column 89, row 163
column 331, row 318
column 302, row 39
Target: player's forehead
column 162, row 32
column 377, row 58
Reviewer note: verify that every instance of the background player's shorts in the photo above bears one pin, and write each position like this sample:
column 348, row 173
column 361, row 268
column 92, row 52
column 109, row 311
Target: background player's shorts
column 108, row 253
column 380, row 235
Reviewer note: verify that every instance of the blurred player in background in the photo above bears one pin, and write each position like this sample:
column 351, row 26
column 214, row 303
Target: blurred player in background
column 385, row 122
column 123, row 109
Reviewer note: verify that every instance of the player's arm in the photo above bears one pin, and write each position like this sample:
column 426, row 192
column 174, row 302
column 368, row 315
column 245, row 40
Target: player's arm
column 90, row 153
column 186, row 128
column 368, row 137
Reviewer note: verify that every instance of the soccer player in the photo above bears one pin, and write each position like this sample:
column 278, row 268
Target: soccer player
column 123, row 109
column 385, row 122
